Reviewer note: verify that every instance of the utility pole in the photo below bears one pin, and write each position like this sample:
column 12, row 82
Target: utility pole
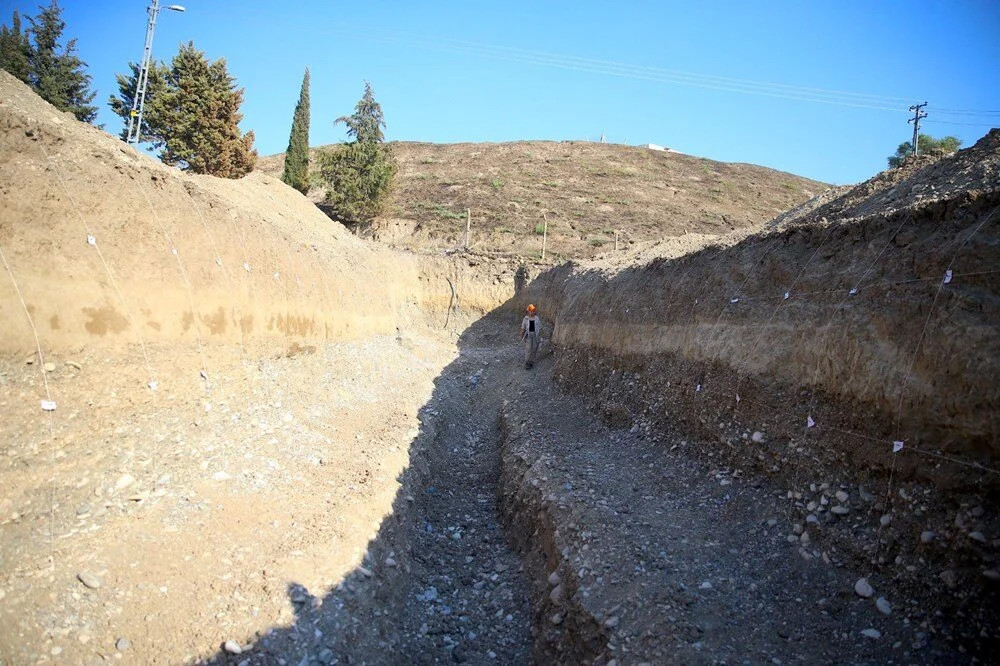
column 139, row 99
column 917, row 115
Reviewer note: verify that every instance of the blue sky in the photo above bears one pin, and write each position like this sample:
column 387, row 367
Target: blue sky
column 475, row 71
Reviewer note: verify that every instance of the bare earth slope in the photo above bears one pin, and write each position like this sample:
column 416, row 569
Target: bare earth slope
column 587, row 191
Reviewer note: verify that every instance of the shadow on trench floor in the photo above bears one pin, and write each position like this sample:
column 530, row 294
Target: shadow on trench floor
column 439, row 583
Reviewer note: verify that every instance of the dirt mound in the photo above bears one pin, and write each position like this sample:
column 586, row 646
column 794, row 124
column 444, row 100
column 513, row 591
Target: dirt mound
column 920, row 180
column 586, row 191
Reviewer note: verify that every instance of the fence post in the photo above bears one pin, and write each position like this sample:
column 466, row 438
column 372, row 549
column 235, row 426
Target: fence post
column 545, row 233
column 468, row 226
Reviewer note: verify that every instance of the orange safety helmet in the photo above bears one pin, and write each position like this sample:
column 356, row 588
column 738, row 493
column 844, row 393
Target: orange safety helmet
column 531, row 308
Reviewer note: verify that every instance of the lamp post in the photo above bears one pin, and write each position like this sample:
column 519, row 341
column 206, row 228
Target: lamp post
column 139, row 99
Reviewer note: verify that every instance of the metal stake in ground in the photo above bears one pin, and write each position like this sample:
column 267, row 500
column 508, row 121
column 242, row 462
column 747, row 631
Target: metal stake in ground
column 468, row 226
column 545, row 233
column 139, row 99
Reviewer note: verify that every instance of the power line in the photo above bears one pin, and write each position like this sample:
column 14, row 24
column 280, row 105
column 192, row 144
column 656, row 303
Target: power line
column 966, row 112
column 782, row 91
column 674, row 72
column 952, row 122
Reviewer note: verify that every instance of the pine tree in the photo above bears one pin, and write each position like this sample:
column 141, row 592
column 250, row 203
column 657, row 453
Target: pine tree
column 156, row 84
column 58, row 76
column 366, row 123
column 296, row 171
column 359, row 174
column 15, row 49
column 197, row 118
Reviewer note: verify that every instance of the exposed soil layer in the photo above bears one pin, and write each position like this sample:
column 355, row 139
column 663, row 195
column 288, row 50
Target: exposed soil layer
column 896, row 314
column 110, row 248
column 587, row 191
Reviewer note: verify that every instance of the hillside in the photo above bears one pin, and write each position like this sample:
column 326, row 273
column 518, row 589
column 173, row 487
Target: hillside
column 586, row 190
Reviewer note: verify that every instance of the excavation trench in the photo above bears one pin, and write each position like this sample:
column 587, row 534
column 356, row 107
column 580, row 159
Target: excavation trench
column 439, row 583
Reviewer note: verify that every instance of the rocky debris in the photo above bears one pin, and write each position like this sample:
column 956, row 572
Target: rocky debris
column 863, row 589
column 620, row 518
column 883, row 606
column 89, row 580
column 949, row 578
column 124, row 481
column 232, row 647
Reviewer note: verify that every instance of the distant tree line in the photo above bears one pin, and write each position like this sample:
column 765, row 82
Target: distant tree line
column 34, row 55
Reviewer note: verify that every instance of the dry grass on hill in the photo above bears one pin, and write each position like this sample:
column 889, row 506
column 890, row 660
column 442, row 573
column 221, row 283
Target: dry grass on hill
column 586, row 191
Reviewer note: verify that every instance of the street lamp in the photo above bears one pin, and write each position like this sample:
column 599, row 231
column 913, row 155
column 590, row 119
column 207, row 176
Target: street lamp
column 139, row 99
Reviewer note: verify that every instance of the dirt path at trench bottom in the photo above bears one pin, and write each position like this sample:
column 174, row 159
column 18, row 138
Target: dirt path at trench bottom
column 626, row 552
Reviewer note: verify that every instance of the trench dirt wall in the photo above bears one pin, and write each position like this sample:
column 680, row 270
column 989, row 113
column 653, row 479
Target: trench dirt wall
column 870, row 340
column 109, row 248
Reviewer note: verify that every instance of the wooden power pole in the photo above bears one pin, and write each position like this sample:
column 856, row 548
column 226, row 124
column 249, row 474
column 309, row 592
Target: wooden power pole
column 917, row 115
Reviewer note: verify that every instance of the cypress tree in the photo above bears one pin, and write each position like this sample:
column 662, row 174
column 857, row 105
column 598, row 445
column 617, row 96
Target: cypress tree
column 58, row 76
column 296, row 171
column 359, row 173
column 15, row 49
column 197, row 117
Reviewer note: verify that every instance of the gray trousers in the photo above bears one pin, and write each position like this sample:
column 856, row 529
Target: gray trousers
column 530, row 347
